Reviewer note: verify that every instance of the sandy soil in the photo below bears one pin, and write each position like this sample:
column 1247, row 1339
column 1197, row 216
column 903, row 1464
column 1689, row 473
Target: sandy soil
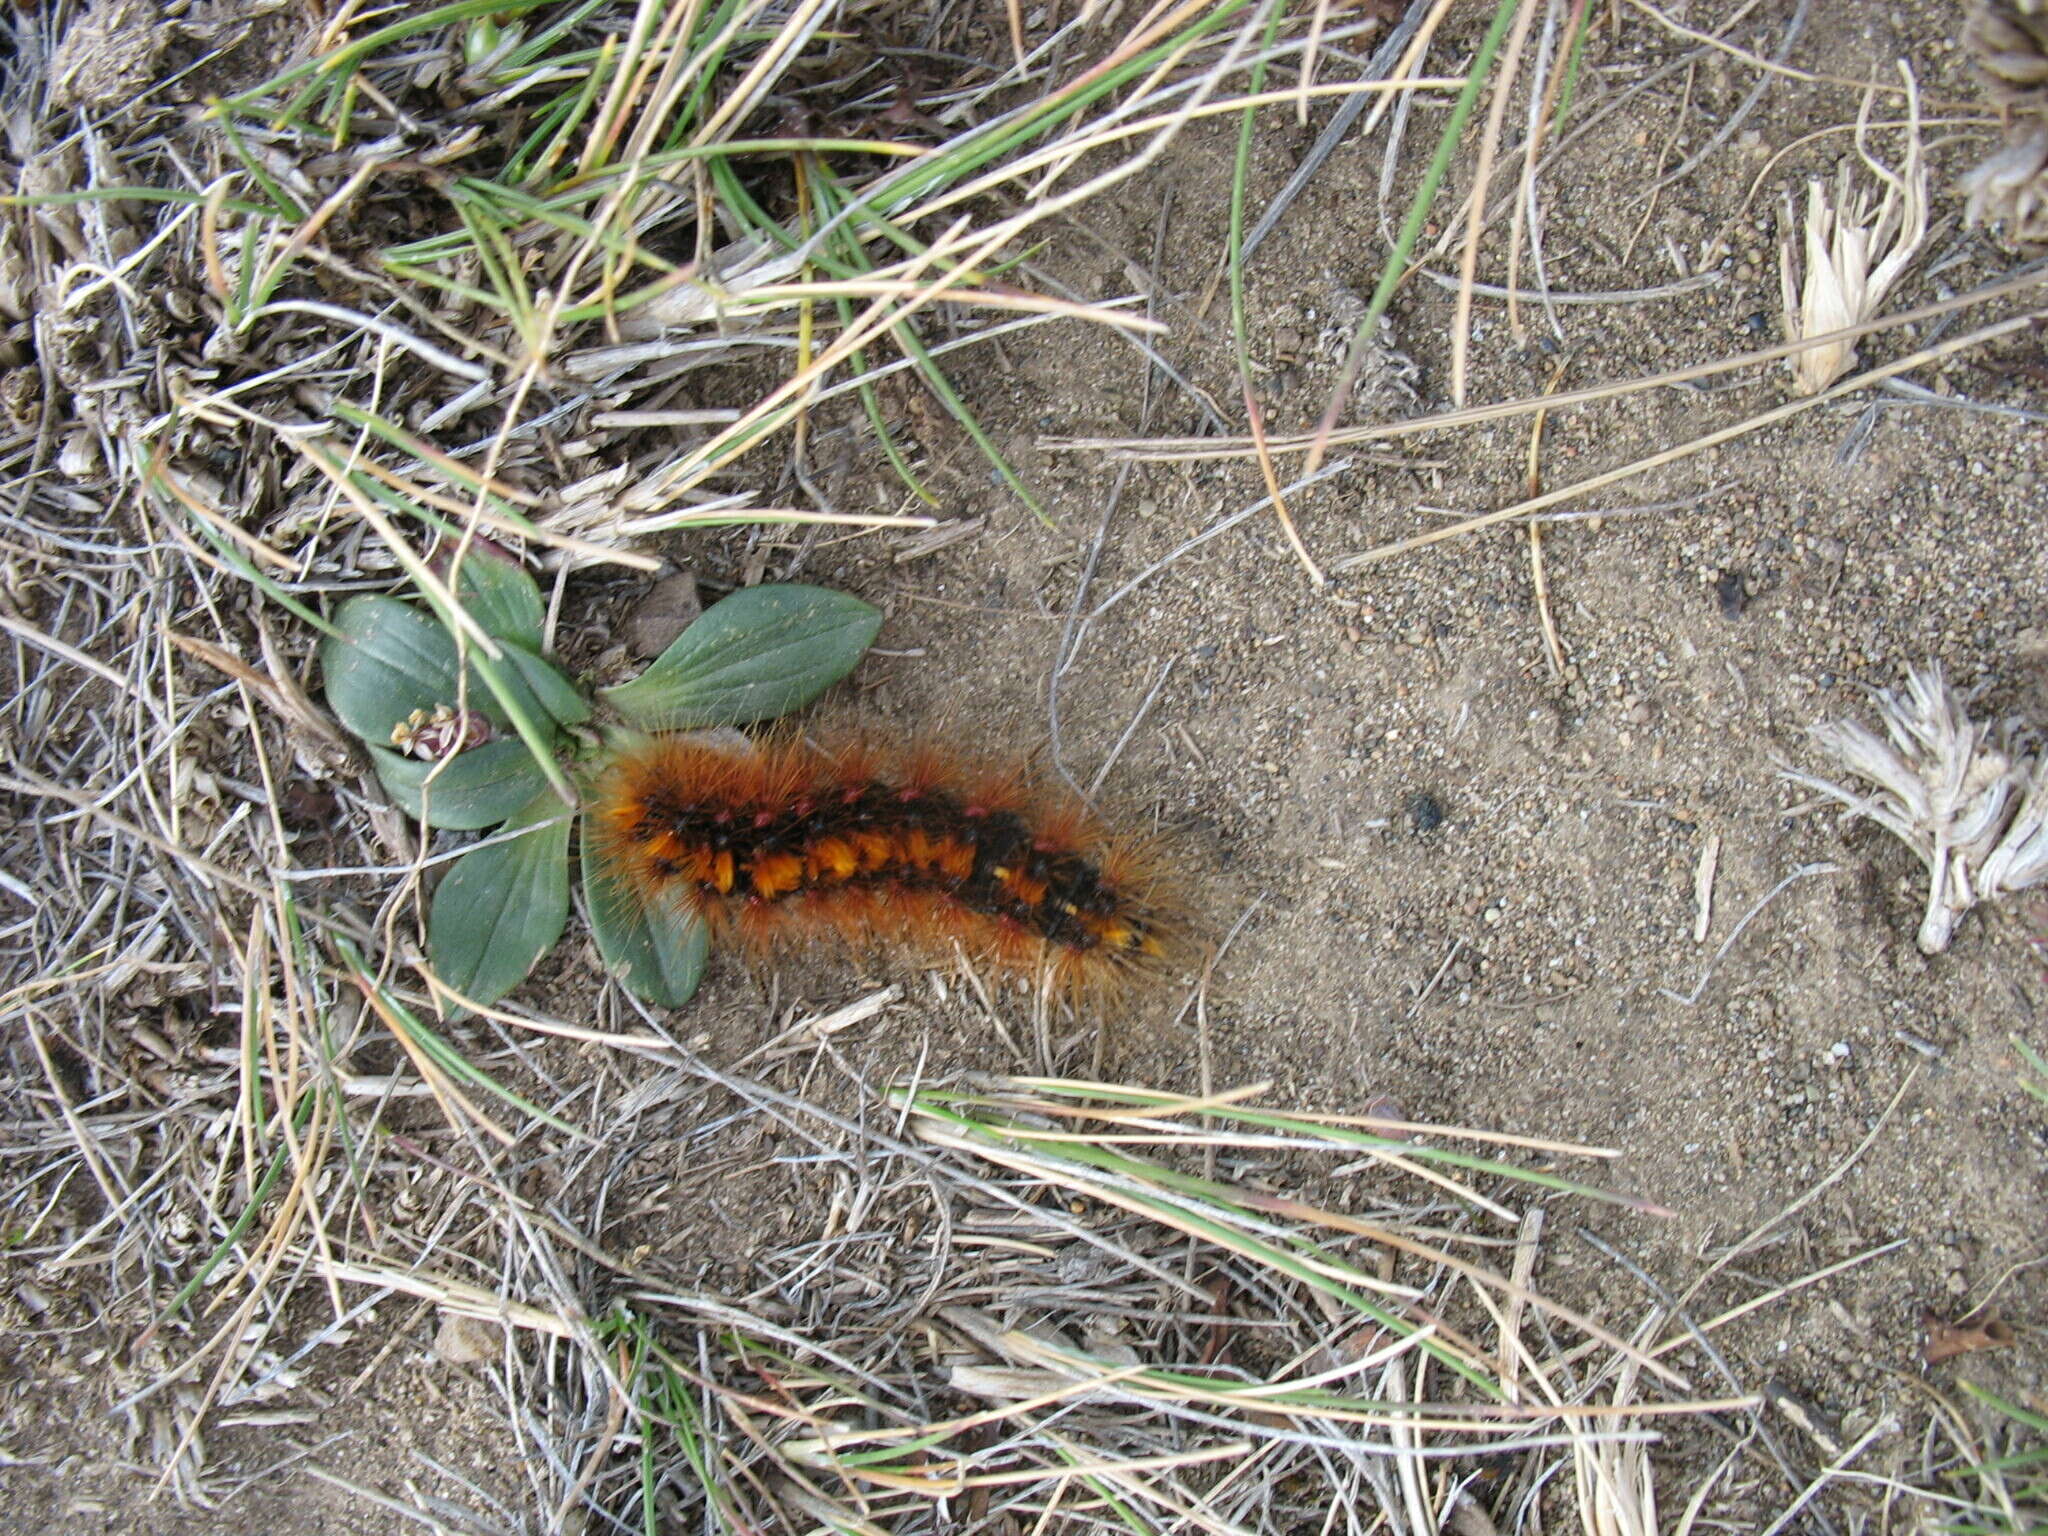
column 1466, row 884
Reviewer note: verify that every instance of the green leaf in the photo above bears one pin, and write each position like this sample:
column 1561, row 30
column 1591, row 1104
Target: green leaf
column 501, row 907
column 385, row 660
column 760, row 653
column 550, row 685
column 501, row 596
column 478, row 789
column 657, row 951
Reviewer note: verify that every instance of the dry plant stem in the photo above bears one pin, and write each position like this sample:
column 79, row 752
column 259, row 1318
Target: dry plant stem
column 1886, row 1425
column 1065, row 152
column 1553, row 61
column 1256, row 422
column 1553, row 646
column 1692, row 999
column 1400, row 262
column 1663, row 154
column 1196, row 449
column 22, row 630
column 1108, row 1191
column 1686, row 450
column 190, row 859
column 1732, row 121
column 1159, row 1105
column 1336, row 131
column 1537, row 576
column 1764, row 1228
column 479, row 513
column 457, row 1296
column 1768, row 1298
column 1482, row 183
column 1318, row 19
column 1137, row 719
column 1527, row 1241
column 1753, row 60
column 258, row 1276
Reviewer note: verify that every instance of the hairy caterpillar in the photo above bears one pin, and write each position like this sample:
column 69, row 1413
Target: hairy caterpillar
column 869, row 845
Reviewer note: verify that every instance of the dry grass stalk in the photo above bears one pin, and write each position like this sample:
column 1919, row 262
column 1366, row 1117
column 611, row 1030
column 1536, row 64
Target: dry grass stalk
column 1837, row 269
column 1530, row 506
column 1192, row 450
column 1969, row 797
column 1070, row 1365
column 1482, row 182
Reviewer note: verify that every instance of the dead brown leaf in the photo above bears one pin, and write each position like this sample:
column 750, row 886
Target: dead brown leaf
column 1978, row 1331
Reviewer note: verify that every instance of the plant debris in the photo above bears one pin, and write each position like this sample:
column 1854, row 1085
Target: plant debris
column 1968, row 797
column 1979, row 1331
column 1855, row 251
column 2008, row 41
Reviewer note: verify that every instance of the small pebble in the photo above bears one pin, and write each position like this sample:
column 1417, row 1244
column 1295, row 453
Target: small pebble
column 666, row 609
column 467, row 1340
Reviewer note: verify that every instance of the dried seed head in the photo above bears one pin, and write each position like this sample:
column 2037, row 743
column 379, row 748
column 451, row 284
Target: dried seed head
column 1970, row 798
column 1838, row 265
column 2008, row 42
column 2010, row 188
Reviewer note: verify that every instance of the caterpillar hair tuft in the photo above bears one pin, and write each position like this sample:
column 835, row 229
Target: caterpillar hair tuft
column 866, row 844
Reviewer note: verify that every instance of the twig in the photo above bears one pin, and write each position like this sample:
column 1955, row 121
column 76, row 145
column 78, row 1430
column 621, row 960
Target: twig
column 1691, row 1000
column 1703, row 887
column 1138, row 719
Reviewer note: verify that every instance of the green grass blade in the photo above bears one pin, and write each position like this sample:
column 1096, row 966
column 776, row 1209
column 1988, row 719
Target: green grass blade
column 2036, row 1086
column 1396, row 268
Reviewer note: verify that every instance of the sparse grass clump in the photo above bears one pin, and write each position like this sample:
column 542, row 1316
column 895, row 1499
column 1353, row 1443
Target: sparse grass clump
column 1122, row 1319
column 2005, row 1489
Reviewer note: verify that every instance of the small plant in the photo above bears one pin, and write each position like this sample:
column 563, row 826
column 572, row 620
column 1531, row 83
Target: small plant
column 484, row 731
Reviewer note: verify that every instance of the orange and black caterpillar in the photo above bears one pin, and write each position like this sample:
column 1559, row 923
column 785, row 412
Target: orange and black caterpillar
column 865, row 844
